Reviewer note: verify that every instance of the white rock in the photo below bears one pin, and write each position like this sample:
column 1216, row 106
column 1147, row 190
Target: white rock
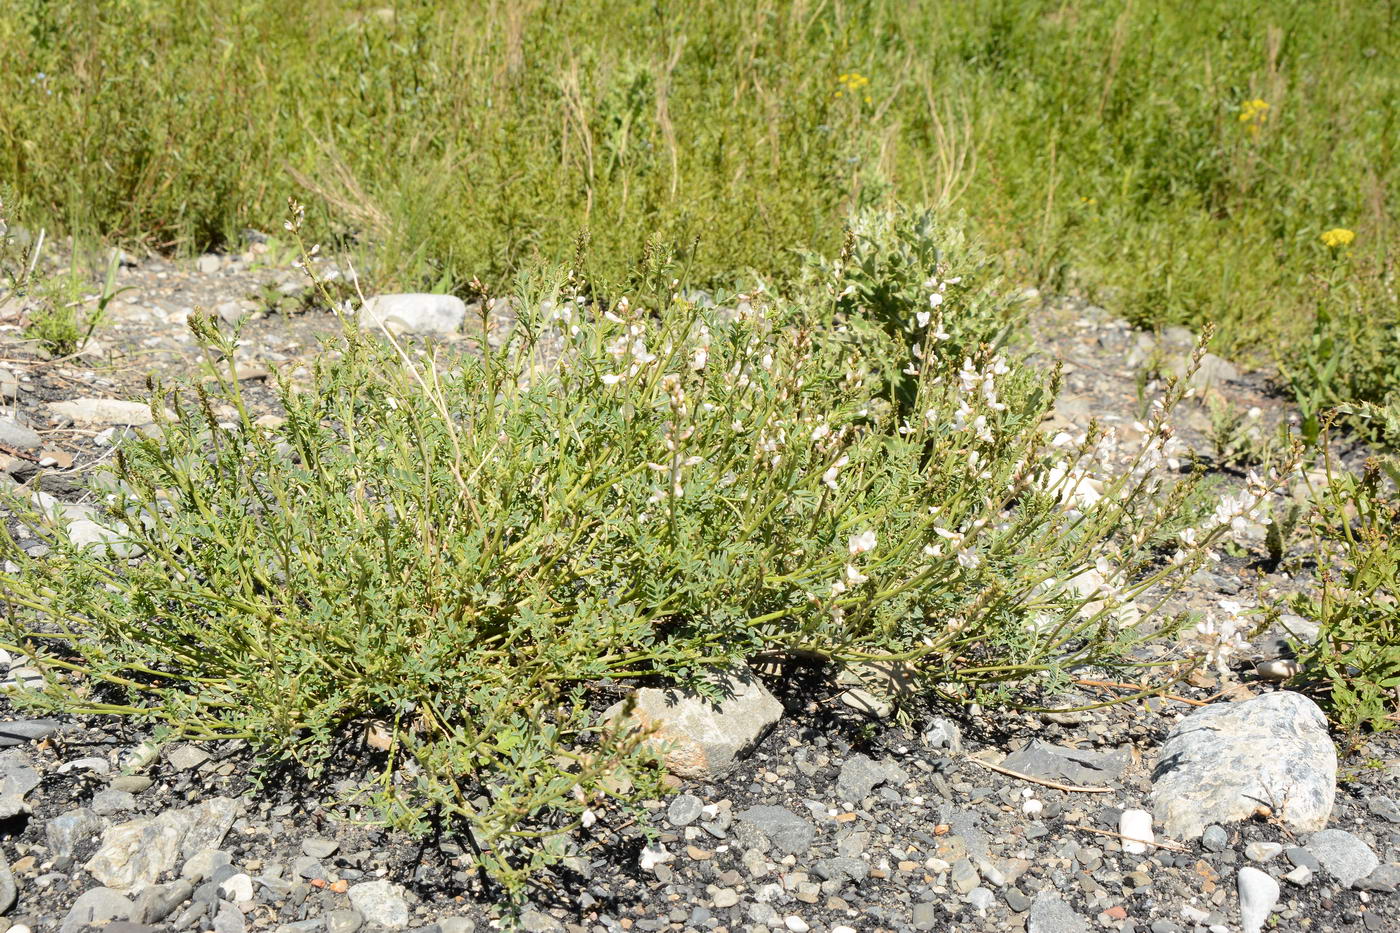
column 415, row 313
column 237, row 887
column 235, row 312
column 1136, row 825
column 135, row 853
column 105, row 411
column 382, row 903
column 1262, row 851
column 1258, row 895
column 796, row 924
column 109, row 541
column 1222, row 762
column 701, row 740
column 208, row 264
column 652, row 856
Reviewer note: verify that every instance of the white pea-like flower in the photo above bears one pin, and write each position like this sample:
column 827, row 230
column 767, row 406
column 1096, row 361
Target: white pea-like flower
column 860, row 543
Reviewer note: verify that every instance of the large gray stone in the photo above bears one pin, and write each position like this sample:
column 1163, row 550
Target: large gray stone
column 159, row 901
column 382, row 903
column 1050, row 914
column 96, row 908
column 1345, row 857
column 13, row 434
column 1223, row 762
column 860, row 775
column 136, row 852
column 8, row 889
column 104, row 411
column 778, row 825
column 699, row 739
column 67, row 831
column 415, row 313
column 1070, row 765
column 17, row 778
column 210, row 821
column 18, row 732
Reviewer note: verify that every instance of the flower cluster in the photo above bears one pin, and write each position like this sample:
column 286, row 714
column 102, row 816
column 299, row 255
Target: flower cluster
column 1254, row 114
column 1337, row 237
column 853, row 84
column 1223, row 633
column 977, row 387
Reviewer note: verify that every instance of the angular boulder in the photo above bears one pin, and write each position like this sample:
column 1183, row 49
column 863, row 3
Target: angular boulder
column 135, row 853
column 1072, row 765
column 415, row 313
column 1223, row 762
column 112, row 411
column 700, row 739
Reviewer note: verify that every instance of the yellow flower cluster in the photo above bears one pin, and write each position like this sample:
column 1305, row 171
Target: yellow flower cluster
column 1338, row 237
column 851, row 83
column 1253, row 114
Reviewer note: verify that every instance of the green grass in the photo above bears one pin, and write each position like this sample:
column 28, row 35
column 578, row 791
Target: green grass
column 1100, row 145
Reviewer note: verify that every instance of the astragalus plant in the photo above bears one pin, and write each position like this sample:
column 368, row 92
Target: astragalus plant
column 464, row 549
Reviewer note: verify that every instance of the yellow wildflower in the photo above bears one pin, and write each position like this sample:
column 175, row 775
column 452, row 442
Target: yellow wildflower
column 1338, row 237
column 851, row 82
column 1253, row 114
column 1254, row 111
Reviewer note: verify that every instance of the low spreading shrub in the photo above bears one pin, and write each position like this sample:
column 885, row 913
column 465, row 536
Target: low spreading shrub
column 463, row 548
column 1353, row 665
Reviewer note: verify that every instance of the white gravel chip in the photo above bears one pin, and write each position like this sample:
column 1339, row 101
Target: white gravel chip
column 1258, row 895
column 1136, row 826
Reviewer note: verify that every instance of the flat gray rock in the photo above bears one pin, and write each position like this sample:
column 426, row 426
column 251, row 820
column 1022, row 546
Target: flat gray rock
column 22, row 731
column 1223, row 762
column 415, row 313
column 104, row 411
column 860, row 775
column 1050, row 914
column 8, row 889
column 96, row 908
column 1385, row 879
column 684, row 809
column 14, row 434
column 785, row 829
column 699, row 739
column 381, row 903
column 841, row 868
column 211, row 820
column 1384, row 807
column 159, row 901
column 66, row 830
column 1068, row 765
column 1345, row 857
column 17, row 778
